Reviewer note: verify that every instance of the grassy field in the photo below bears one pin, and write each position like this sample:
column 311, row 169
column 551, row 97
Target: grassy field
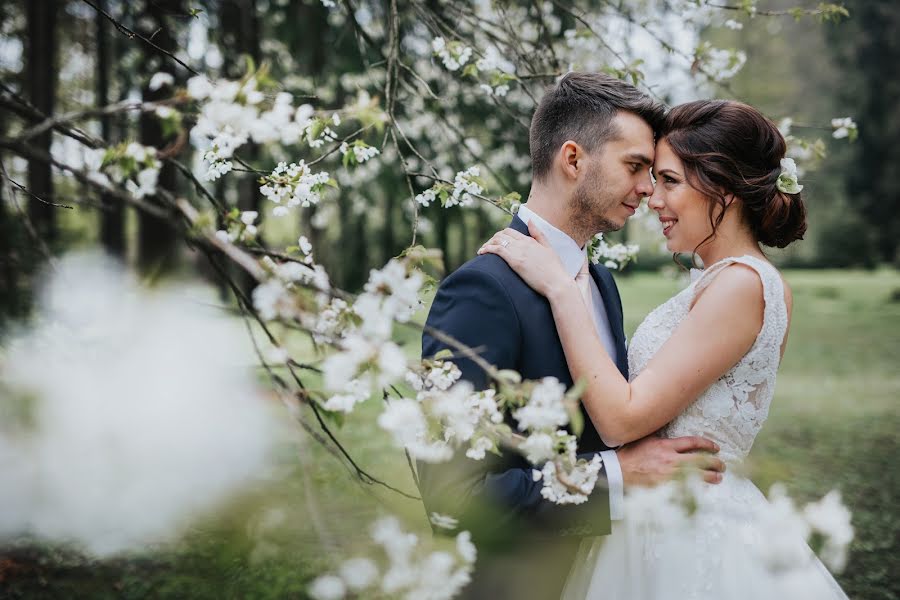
column 833, row 424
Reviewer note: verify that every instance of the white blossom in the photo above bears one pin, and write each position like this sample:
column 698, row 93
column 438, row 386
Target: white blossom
column 538, row 448
column 199, row 87
column 443, row 521
column 361, row 151
column 465, row 187
column 454, row 55
column 494, row 61
column 355, row 391
column 479, row 447
column 545, row 409
column 441, row 375
column 160, row 79
column 721, row 64
column 277, row 355
column 398, row 290
column 304, row 245
column 787, row 180
column 217, row 169
column 165, row 112
column 843, row 127
column 157, row 451
column 426, row 197
column 784, row 530
column 272, row 299
column 583, row 476
column 328, row 587
column 614, row 256
column 358, row 573
column 465, row 547
column 294, row 185
column 831, row 519
column 146, row 183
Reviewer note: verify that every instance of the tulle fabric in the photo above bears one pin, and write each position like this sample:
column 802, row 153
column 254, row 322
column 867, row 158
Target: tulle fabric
column 658, row 552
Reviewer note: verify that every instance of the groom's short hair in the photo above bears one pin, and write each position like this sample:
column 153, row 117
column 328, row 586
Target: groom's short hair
column 581, row 108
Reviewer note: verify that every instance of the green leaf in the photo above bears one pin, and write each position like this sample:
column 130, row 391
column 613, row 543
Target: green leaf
column 315, row 128
column 444, row 354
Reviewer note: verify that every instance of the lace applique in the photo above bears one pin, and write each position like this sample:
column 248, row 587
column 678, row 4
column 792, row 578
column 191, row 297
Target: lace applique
column 734, row 408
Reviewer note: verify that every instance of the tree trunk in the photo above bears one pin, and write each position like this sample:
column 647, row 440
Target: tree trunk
column 112, row 217
column 41, row 85
column 157, row 248
column 240, row 31
column 441, row 226
column 388, row 239
column 14, row 296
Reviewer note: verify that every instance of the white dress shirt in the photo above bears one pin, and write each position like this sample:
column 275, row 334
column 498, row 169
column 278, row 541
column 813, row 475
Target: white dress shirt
column 572, row 257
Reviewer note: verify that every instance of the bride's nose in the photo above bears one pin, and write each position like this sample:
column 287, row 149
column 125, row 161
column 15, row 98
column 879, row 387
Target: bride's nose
column 655, row 200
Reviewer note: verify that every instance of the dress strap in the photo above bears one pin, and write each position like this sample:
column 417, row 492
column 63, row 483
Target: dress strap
column 775, row 312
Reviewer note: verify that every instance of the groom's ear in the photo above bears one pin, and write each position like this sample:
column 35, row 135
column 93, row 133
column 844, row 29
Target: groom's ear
column 571, row 158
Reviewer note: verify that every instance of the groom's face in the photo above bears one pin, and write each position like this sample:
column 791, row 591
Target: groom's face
column 617, row 177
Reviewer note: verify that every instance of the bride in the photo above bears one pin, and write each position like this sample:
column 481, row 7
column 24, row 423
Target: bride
column 703, row 363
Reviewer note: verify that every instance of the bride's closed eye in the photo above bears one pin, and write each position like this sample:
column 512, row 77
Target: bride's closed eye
column 668, row 180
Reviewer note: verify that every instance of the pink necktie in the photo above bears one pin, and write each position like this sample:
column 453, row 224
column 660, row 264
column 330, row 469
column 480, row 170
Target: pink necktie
column 583, row 279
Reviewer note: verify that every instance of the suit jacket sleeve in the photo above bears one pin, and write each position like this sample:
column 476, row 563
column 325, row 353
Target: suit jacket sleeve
column 497, row 497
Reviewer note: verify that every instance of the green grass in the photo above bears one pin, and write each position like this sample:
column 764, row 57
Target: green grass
column 833, row 424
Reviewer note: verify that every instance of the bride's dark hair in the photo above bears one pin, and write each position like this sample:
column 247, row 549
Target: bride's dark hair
column 731, row 148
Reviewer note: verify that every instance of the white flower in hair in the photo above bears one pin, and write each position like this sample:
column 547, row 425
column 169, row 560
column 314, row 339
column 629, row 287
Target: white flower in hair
column 787, row 181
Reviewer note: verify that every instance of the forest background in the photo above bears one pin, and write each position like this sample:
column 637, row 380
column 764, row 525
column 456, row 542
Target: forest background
column 835, row 415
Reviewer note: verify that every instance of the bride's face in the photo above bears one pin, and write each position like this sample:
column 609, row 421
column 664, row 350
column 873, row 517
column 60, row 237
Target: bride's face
column 683, row 211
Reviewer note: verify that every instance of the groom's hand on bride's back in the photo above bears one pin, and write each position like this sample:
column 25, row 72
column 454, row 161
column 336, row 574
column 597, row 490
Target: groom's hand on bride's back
column 652, row 460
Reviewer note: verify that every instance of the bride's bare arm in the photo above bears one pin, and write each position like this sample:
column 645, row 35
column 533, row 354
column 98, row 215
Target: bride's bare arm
column 720, row 328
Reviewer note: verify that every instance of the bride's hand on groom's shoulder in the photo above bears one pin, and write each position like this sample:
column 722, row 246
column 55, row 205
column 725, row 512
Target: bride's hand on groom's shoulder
column 653, row 460
column 532, row 258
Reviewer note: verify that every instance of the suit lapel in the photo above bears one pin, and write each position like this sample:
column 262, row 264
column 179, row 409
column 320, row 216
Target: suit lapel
column 613, row 306
column 519, row 225
column 611, row 301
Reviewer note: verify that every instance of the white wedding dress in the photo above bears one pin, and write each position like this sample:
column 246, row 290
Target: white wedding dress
column 714, row 553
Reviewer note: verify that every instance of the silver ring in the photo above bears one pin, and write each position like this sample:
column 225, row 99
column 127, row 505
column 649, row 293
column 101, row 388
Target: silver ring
column 504, row 243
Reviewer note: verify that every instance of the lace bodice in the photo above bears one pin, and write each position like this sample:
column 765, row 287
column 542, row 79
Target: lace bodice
column 733, row 409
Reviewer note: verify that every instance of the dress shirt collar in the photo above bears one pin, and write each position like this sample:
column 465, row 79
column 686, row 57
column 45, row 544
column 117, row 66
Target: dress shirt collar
column 571, row 255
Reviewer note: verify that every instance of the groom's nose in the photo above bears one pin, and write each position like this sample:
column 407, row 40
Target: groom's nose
column 644, row 187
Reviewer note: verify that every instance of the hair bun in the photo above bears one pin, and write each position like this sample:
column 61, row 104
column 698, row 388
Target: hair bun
column 727, row 145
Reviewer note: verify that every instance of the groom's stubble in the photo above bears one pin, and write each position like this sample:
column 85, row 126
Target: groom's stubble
column 589, row 205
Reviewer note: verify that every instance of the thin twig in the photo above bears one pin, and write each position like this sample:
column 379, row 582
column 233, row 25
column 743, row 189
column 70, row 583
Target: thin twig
column 36, row 197
column 133, row 34
column 29, row 226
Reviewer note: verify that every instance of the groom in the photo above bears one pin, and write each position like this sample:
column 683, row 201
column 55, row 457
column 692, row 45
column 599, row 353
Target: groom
column 592, row 146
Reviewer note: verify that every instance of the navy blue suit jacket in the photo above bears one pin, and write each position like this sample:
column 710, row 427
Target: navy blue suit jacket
column 486, row 306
